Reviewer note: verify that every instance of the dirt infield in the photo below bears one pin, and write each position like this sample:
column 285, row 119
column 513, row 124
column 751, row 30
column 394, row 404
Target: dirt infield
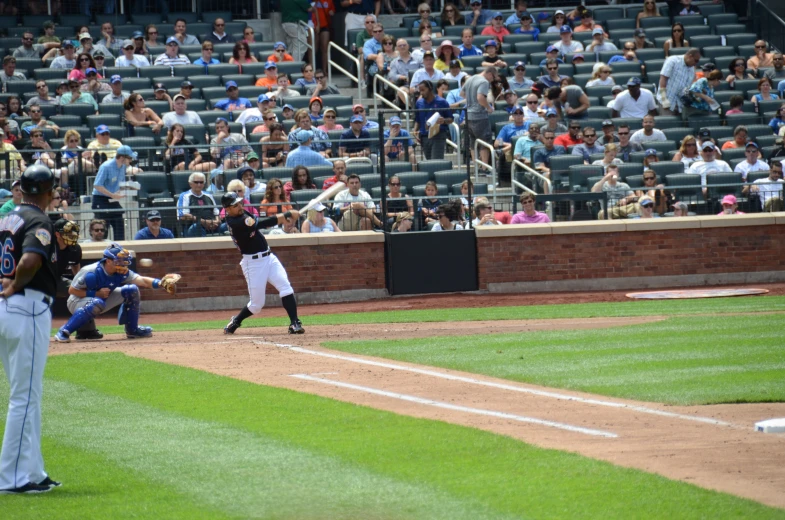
column 710, row 446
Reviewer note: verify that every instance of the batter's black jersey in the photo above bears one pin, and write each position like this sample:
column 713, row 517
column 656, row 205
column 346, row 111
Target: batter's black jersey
column 68, row 257
column 27, row 229
column 245, row 232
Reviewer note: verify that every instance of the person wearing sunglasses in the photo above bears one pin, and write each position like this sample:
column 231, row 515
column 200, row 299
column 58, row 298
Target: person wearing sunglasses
column 752, row 162
column 479, row 16
column 529, row 213
column 42, row 97
column 196, row 209
column 424, row 10
column 28, row 49
column 279, row 54
column 97, row 230
column 87, row 46
column 640, row 41
column 451, row 15
column 153, row 231
column 107, row 192
column 37, row 120
column 321, row 87
column 761, row 59
column 769, row 189
column 527, row 27
column 646, row 208
column 171, row 56
column 219, row 34
column 129, row 57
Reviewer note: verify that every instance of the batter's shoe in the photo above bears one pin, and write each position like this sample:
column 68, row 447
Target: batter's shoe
column 27, row 489
column 63, row 336
column 231, row 326
column 89, row 334
column 296, row 328
column 140, row 332
column 48, row 482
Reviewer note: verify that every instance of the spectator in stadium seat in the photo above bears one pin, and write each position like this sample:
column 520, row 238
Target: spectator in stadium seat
column 129, row 58
column 508, row 132
column 76, row 96
column 778, row 152
column 109, row 40
column 359, row 110
column 529, row 213
column 751, row 163
column 567, row 45
column 9, row 72
column 233, row 101
column 321, row 88
column 688, row 152
column 196, row 209
column 227, row 147
column 589, row 145
column 601, row 76
column 118, row 95
column 492, row 55
column 737, row 70
column 677, row 73
column 588, row 24
column 14, row 201
column 709, row 164
column 153, row 231
column 38, row 121
column 527, row 28
column 49, row 35
column 404, row 222
column 37, row 150
column 144, row 42
column 559, row 19
column 255, row 115
column 270, row 78
column 650, row 157
column 467, row 47
column 764, row 86
column 181, row 33
column 42, row 96
column 648, row 132
column 621, row 199
column 207, row 55
column 769, row 189
column 520, row 81
column 355, row 141
column 30, row 50
column 356, row 207
column 635, row 102
column 542, row 156
column 397, row 141
column 730, row 206
column 479, row 16
column 553, row 78
column 640, row 41
column 424, row 10
column 396, row 201
column 316, row 222
column 171, row 56
column 308, row 79
column 279, row 54
column 484, row 216
column 778, row 121
column 275, row 200
column 703, row 96
column 680, row 209
column 496, row 28
column 524, row 145
column 283, row 91
column 573, row 137
column 676, row 40
column 610, row 156
column 182, row 154
column 330, row 116
column 736, row 104
column 777, row 72
column 180, row 114
column 67, row 60
column 88, row 47
column 449, row 217
column 321, row 141
column 761, row 59
column 599, row 43
column 656, row 192
column 552, row 123
column 339, row 174
column 219, row 34
column 304, row 155
column 137, row 114
column 739, row 140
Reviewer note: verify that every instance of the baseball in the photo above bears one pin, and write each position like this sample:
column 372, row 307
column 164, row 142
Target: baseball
column 145, row 262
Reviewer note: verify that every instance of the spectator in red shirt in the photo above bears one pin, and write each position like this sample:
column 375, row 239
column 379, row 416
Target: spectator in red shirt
column 339, row 171
column 572, row 137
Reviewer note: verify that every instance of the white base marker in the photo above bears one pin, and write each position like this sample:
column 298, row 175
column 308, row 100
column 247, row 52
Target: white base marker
column 457, row 408
column 503, row 386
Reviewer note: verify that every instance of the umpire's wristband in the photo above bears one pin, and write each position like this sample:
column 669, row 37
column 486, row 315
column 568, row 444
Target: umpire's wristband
column 156, row 283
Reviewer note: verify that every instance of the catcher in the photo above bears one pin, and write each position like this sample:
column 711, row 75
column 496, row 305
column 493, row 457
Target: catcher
column 106, row 284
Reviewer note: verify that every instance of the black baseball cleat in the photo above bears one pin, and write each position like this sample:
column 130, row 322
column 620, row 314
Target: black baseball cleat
column 296, row 328
column 27, row 489
column 231, row 326
column 48, row 482
column 89, row 334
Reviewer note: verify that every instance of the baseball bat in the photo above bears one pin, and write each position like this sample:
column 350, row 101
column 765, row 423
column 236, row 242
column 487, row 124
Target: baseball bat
column 325, row 195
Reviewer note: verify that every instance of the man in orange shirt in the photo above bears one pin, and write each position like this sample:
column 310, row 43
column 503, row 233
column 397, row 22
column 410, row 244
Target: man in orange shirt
column 270, row 78
column 497, row 27
column 587, row 23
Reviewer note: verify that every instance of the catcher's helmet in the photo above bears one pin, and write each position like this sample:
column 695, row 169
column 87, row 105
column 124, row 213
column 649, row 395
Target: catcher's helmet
column 36, row 180
column 230, row 198
column 69, row 230
column 119, row 256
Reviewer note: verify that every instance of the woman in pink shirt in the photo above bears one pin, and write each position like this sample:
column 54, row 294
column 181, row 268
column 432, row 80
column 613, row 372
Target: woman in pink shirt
column 529, row 215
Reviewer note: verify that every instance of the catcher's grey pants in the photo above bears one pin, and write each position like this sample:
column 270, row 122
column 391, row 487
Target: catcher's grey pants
column 74, row 304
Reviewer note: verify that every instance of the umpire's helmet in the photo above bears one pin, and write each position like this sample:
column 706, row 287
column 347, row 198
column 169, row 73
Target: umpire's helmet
column 230, row 198
column 36, row 180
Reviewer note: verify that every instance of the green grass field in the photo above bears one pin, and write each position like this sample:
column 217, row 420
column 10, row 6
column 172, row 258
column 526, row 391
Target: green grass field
column 132, row 438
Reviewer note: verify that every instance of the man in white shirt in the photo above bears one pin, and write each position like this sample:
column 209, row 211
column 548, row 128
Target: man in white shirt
column 426, row 72
column 129, row 59
column 567, row 45
column 254, row 115
column 709, row 164
column 180, row 114
column 117, row 95
column 635, row 102
column 357, row 207
column 67, row 60
column 648, row 132
column 172, row 55
column 769, row 189
column 598, row 42
column 751, row 163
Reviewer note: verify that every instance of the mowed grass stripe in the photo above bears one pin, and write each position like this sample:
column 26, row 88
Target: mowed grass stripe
column 485, row 475
column 685, row 360
column 527, row 312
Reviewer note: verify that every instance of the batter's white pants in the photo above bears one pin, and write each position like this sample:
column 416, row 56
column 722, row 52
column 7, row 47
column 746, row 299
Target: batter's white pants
column 258, row 272
column 25, row 325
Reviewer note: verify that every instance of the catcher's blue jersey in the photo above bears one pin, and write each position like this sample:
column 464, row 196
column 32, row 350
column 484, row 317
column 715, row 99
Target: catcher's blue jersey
column 93, row 277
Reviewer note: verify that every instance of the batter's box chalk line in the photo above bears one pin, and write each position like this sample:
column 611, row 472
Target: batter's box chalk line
column 505, row 386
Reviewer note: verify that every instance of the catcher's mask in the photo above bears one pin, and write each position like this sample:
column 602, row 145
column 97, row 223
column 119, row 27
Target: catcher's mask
column 119, row 256
column 69, row 231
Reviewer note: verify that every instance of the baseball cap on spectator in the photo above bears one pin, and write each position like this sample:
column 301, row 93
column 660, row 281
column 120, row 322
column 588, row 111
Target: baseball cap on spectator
column 565, row 29
column 476, row 2
column 558, row 11
column 550, row 48
column 708, row 67
column 508, row 92
column 578, row 56
column 729, row 199
column 551, row 112
column 617, row 88
column 16, row 183
column 753, row 144
column 708, row 145
column 287, row 105
column 85, row 36
column 116, row 79
column 519, row 64
column 136, row 35
column 498, row 14
column 428, row 54
column 303, row 136
column 639, row 32
column 333, row 112
column 153, row 214
column 356, row 119
column 680, row 205
column 262, row 98
column 127, row 151
column 252, row 157
column 279, row 45
column 186, row 84
column 607, row 122
column 395, row 120
column 490, row 43
column 72, row 81
column 526, row 15
column 704, row 132
column 645, row 200
column 230, row 84
column 172, row 39
column 179, row 96
column 454, row 64
column 101, row 129
column 650, row 152
column 597, row 30
column 518, row 109
column 243, row 169
column 587, row 14
column 222, row 119
column 159, row 87
column 128, row 43
column 68, row 43
column 270, row 65
column 90, row 70
column 319, row 207
column 634, row 81
column 356, row 106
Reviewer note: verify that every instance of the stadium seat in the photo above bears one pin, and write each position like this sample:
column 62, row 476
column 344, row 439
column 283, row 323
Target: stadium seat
column 628, row 169
column 579, row 176
column 434, row 165
column 154, row 185
column 714, row 182
column 302, row 197
column 419, row 191
column 665, row 168
column 179, row 182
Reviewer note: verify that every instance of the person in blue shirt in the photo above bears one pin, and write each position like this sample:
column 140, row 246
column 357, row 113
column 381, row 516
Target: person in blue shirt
column 233, row 101
column 516, row 128
column 521, row 7
column 467, row 48
column 396, row 140
column 207, row 55
column 551, row 53
column 457, row 102
column 106, row 190
column 526, row 27
column 778, row 121
column 153, row 231
column 355, row 141
column 479, row 16
column 428, row 105
column 304, row 155
column 519, row 80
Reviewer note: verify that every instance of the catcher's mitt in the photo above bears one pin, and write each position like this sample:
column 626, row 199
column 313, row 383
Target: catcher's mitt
column 169, row 282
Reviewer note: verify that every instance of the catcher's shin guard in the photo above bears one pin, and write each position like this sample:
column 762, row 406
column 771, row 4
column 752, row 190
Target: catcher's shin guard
column 129, row 310
column 84, row 315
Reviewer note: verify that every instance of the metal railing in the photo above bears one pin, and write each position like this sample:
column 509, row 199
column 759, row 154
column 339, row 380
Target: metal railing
column 769, row 26
column 479, row 143
column 546, row 182
column 378, row 97
column 350, row 75
column 456, row 144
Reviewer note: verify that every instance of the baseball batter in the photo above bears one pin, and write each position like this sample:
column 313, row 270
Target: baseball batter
column 259, row 264
column 106, row 284
column 29, row 278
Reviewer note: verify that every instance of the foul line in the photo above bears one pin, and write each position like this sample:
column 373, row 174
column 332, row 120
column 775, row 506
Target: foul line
column 502, row 386
column 448, row 406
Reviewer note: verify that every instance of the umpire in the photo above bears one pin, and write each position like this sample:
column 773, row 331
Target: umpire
column 29, row 278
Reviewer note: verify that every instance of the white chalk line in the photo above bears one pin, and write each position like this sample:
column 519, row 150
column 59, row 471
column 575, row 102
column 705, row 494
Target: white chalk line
column 503, row 386
column 457, row 408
